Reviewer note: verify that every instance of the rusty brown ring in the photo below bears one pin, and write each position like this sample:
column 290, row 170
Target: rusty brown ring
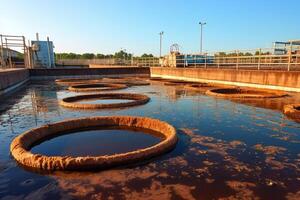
column 21, row 145
column 126, row 81
column 76, row 81
column 92, row 88
column 261, row 93
column 71, row 102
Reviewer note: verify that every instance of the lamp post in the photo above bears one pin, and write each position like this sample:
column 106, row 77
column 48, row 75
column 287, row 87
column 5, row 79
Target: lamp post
column 160, row 42
column 201, row 31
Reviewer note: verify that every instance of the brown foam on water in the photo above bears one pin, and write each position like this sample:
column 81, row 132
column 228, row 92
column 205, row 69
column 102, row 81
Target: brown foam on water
column 292, row 111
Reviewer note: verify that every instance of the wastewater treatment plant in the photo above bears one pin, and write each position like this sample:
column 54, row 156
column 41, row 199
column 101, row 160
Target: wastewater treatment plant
column 132, row 101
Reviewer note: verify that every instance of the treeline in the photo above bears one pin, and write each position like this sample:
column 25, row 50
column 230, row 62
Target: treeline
column 119, row 55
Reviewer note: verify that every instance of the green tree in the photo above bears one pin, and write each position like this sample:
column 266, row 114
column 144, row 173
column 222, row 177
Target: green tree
column 87, row 56
column 122, row 55
column 100, row 56
column 147, row 55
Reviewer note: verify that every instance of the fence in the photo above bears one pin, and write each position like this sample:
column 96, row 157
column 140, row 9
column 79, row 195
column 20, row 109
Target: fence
column 9, row 56
column 261, row 59
column 253, row 59
column 136, row 61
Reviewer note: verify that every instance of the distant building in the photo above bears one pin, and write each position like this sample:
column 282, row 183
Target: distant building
column 10, row 57
column 9, row 53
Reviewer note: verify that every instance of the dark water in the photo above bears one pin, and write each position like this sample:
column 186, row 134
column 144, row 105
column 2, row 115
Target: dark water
column 230, row 149
column 104, row 101
column 97, row 142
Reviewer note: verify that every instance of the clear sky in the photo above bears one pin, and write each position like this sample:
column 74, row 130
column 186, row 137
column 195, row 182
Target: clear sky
column 106, row 26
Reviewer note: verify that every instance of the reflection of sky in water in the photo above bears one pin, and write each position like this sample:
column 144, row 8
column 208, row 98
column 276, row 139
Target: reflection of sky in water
column 216, row 155
column 96, row 142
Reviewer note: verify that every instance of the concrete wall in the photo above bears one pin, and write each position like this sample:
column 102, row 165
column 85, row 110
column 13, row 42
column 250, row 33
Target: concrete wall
column 109, row 66
column 12, row 78
column 90, row 71
column 281, row 80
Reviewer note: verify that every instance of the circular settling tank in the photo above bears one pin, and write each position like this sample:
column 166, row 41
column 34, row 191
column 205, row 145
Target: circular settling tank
column 199, row 85
column 292, row 111
column 177, row 82
column 98, row 142
column 245, row 93
column 82, row 101
column 127, row 81
column 159, row 79
column 96, row 87
column 21, row 146
column 76, row 81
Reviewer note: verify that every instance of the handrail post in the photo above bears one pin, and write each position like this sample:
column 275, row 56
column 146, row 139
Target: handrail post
column 259, row 57
column 205, row 60
column 290, row 57
column 218, row 60
column 237, row 59
column 2, row 52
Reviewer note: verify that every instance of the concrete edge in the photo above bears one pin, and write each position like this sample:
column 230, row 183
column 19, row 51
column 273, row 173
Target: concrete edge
column 13, row 87
column 21, row 145
column 84, row 76
column 273, row 87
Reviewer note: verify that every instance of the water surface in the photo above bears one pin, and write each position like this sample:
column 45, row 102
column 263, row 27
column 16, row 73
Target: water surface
column 242, row 149
column 104, row 101
column 97, row 142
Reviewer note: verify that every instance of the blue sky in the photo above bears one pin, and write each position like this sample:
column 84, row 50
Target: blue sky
column 100, row 26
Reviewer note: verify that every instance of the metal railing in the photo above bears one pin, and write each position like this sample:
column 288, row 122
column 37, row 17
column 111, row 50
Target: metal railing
column 136, row 61
column 9, row 57
column 261, row 59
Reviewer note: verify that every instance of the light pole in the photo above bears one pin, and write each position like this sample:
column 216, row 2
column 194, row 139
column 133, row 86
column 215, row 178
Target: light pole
column 160, row 42
column 201, row 28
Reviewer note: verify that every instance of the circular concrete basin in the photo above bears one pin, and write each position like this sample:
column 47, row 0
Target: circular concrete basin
column 76, row 101
column 96, row 87
column 127, row 81
column 159, row 79
column 21, row 145
column 76, row 81
column 199, row 85
column 244, row 93
column 177, row 82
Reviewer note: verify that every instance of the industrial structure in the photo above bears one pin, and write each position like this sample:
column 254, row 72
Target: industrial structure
column 12, row 51
column 15, row 53
column 176, row 59
column 43, row 53
column 281, row 48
